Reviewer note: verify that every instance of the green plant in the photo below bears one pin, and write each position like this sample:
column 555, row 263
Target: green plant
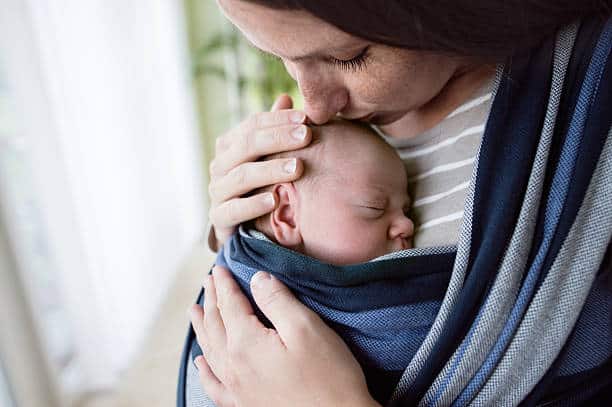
column 255, row 74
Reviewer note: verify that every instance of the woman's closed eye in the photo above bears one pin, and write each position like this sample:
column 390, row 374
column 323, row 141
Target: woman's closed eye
column 354, row 64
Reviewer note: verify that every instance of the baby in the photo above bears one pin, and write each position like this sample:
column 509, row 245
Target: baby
column 350, row 204
column 348, row 208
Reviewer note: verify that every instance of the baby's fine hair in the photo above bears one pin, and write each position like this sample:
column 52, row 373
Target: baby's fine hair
column 313, row 155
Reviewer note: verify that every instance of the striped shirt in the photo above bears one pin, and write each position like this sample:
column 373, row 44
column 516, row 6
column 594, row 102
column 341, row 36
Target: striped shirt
column 439, row 164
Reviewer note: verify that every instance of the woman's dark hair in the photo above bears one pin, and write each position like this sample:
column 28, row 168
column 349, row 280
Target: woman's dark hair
column 486, row 28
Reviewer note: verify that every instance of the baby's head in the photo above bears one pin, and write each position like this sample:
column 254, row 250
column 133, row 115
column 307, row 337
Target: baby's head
column 350, row 204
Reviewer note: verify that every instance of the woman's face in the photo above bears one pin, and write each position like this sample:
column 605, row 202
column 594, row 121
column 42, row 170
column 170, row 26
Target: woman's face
column 340, row 73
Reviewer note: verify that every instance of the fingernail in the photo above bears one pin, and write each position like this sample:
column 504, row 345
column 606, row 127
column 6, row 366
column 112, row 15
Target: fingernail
column 260, row 279
column 268, row 200
column 290, row 166
column 298, row 117
column 299, row 133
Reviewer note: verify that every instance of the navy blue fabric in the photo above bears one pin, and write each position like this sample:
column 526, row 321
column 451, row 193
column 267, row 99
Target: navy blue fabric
column 583, row 48
column 500, row 185
column 591, row 343
column 382, row 310
column 500, row 188
column 597, row 125
column 190, row 340
column 591, row 387
column 426, row 280
column 587, row 354
column 579, row 62
column 555, row 203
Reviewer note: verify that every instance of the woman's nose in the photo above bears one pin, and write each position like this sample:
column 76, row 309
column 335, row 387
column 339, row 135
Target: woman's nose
column 323, row 96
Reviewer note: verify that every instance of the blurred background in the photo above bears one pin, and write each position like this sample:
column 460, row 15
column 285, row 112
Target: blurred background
column 108, row 114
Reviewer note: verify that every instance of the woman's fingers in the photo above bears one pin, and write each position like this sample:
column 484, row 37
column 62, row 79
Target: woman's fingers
column 230, row 213
column 256, row 143
column 289, row 316
column 284, row 101
column 196, row 315
column 213, row 322
column 236, row 311
column 260, row 121
column 249, row 176
column 286, row 366
column 212, row 386
column 282, row 129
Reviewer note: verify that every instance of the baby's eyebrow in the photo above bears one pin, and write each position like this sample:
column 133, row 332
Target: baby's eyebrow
column 378, row 201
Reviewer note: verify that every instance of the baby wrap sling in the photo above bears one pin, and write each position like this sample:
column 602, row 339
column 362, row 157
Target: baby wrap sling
column 520, row 311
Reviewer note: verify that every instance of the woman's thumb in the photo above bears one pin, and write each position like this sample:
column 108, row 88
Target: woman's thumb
column 278, row 304
column 282, row 102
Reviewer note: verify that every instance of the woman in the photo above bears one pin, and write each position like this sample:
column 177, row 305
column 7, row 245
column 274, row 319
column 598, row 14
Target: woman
column 412, row 68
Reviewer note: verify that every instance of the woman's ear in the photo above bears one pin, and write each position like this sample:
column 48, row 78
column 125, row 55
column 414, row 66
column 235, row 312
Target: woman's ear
column 283, row 220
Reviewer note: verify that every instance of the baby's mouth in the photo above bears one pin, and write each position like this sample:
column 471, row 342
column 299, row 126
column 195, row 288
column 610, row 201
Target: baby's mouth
column 403, row 244
column 406, row 243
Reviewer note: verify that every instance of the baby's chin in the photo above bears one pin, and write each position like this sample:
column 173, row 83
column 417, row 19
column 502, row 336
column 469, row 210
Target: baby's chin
column 397, row 248
column 343, row 259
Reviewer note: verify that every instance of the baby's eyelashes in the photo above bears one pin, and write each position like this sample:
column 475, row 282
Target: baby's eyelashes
column 372, row 211
column 375, row 208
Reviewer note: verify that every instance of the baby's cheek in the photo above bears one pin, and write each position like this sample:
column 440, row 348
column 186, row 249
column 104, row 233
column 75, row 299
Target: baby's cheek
column 363, row 243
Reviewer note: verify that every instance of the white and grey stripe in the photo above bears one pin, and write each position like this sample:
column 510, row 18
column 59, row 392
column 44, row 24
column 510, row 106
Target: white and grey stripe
column 439, row 164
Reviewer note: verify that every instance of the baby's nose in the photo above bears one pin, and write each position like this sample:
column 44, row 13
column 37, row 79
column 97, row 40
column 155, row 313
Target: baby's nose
column 402, row 228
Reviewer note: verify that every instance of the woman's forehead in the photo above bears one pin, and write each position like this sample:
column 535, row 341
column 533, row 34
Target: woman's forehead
column 290, row 34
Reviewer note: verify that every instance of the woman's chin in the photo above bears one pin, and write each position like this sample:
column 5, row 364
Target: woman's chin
column 386, row 118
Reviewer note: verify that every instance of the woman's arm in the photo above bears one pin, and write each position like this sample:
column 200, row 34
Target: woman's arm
column 300, row 363
column 234, row 171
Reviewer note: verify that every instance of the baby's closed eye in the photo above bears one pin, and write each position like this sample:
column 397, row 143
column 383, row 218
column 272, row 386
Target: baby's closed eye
column 371, row 211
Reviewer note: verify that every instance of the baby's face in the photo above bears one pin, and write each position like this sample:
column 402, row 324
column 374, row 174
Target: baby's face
column 356, row 210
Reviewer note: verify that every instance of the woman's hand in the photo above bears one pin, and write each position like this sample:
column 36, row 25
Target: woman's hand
column 234, row 171
column 301, row 363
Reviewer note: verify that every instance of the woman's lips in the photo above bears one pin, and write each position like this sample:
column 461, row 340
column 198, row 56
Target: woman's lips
column 363, row 118
column 376, row 118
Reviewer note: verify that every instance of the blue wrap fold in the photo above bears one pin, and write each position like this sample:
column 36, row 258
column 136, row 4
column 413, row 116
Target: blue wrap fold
column 382, row 309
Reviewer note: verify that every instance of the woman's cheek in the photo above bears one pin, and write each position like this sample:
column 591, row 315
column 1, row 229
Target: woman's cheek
column 367, row 90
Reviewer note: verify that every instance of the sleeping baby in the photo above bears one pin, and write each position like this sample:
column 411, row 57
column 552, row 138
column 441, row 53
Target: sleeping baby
column 337, row 239
column 350, row 204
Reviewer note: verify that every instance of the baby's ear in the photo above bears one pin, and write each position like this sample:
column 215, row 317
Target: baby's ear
column 283, row 221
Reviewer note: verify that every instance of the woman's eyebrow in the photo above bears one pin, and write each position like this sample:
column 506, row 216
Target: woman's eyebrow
column 295, row 59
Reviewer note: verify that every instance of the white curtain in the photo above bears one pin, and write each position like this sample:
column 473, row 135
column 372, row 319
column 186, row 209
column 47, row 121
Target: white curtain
column 5, row 393
column 101, row 173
